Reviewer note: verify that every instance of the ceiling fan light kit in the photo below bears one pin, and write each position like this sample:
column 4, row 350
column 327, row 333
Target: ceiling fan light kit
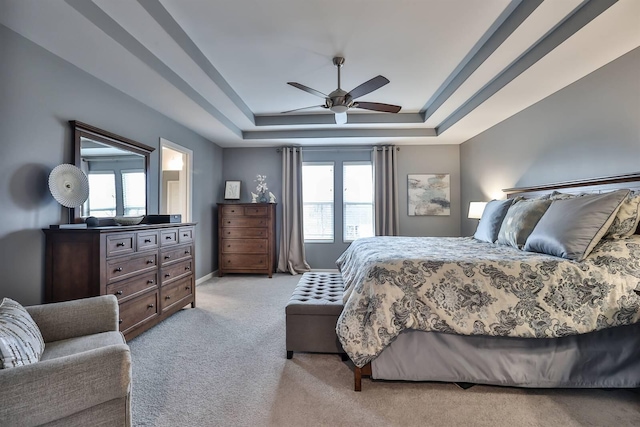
column 339, row 101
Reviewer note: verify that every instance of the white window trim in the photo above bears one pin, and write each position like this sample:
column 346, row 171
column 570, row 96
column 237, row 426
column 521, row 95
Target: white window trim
column 323, row 163
column 344, row 222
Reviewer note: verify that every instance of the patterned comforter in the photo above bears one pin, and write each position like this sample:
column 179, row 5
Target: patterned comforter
column 464, row 286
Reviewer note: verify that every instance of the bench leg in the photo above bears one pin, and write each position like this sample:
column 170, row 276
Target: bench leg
column 358, row 373
column 289, row 354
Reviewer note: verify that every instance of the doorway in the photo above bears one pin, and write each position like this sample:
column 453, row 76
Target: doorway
column 175, row 179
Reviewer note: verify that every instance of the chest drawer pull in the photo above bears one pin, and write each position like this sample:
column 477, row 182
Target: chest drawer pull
column 185, row 235
column 187, row 252
column 167, row 257
column 149, row 261
column 167, row 275
column 150, row 306
column 167, row 297
column 187, row 287
column 147, row 240
column 120, row 321
column 187, row 268
column 167, row 237
column 119, row 293
column 117, row 270
column 150, row 282
column 119, row 244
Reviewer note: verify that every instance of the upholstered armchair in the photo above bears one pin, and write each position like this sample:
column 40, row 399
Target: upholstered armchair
column 84, row 375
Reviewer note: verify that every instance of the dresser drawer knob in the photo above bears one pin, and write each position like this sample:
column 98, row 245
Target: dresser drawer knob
column 167, row 297
column 149, row 261
column 150, row 306
column 119, row 244
column 117, row 270
column 120, row 321
column 233, row 210
column 228, row 222
column 147, row 240
column 187, row 253
column 167, row 257
column 187, row 268
column 167, row 238
column 119, row 293
column 167, row 275
column 150, row 282
column 185, row 235
column 187, row 288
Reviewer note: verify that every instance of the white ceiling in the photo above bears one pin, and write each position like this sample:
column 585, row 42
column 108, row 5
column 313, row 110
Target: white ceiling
column 220, row 67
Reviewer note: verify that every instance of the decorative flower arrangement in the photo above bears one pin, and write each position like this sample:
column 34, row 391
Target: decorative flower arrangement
column 262, row 188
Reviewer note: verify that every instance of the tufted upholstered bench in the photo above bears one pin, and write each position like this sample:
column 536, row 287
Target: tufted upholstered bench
column 312, row 314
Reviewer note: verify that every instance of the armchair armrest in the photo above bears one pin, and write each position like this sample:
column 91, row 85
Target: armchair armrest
column 52, row 389
column 70, row 319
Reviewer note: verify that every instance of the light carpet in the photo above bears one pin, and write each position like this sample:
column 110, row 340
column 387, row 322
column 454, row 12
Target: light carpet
column 224, row 364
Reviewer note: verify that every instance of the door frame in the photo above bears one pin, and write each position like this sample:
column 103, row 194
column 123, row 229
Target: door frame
column 188, row 167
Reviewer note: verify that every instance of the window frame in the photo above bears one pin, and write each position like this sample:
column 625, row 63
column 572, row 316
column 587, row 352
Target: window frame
column 333, row 202
column 344, row 203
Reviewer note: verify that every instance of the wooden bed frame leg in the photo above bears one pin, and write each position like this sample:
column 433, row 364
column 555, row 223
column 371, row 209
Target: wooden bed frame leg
column 358, row 373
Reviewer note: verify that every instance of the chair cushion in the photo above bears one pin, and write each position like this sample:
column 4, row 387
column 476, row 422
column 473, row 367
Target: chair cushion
column 21, row 342
column 76, row 345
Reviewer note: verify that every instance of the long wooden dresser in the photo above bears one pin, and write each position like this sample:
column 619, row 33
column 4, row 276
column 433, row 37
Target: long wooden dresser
column 247, row 238
column 149, row 268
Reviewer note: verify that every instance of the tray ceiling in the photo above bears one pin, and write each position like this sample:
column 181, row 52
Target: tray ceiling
column 457, row 67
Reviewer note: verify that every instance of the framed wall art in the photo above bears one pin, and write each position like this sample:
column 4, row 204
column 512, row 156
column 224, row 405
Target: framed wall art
column 232, row 190
column 429, row 194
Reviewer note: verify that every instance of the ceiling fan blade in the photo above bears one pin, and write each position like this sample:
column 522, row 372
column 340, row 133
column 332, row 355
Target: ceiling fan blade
column 307, row 89
column 368, row 87
column 376, row 106
column 304, row 108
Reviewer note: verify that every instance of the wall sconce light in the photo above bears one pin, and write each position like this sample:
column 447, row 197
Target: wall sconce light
column 476, row 209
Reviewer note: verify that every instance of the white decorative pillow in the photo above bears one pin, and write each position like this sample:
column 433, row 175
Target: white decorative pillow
column 626, row 220
column 21, row 342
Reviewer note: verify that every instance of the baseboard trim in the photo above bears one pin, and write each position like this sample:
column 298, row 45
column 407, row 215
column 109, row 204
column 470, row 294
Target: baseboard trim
column 206, row 277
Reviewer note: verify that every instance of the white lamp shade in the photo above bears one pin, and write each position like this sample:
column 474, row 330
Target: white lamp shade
column 476, row 209
column 341, row 118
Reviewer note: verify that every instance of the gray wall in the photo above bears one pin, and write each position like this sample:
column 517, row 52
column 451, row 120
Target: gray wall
column 429, row 159
column 39, row 94
column 587, row 130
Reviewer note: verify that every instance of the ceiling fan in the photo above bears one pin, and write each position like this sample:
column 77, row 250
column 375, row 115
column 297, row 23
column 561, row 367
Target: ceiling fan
column 339, row 101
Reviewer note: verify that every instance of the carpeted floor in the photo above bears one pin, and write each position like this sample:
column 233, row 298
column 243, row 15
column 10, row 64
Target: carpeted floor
column 224, row 364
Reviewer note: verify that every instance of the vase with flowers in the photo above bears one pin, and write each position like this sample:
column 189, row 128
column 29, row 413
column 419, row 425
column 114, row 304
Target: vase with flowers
column 262, row 188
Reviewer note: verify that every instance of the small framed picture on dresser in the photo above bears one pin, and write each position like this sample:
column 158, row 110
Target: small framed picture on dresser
column 232, row 190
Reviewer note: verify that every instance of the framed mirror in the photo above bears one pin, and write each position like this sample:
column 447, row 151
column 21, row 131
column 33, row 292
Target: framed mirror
column 118, row 172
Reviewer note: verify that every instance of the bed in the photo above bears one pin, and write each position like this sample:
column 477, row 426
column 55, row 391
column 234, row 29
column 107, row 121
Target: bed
column 466, row 311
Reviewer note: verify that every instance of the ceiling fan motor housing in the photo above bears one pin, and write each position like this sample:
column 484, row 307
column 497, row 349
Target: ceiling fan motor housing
column 339, row 101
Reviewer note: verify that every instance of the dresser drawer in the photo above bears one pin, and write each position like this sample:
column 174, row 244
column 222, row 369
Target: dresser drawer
column 172, row 294
column 242, row 261
column 168, row 237
column 256, row 211
column 128, row 289
column 176, row 271
column 226, row 211
column 123, row 268
column 244, row 246
column 245, row 222
column 138, row 310
column 185, row 235
column 244, row 232
column 120, row 244
column 170, row 255
column 147, row 240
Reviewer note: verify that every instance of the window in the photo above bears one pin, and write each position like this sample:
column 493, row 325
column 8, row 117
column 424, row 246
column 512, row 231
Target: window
column 102, row 203
column 133, row 193
column 357, row 200
column 318, row 196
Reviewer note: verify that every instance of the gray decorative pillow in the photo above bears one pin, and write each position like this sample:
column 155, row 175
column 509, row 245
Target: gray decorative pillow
column 21, row 342
column 572, row 227
column 520, row 220
column 627, row 218
column 491, row 220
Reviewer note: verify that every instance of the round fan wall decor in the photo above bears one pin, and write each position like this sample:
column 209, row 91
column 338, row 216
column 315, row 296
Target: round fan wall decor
column 69, row 185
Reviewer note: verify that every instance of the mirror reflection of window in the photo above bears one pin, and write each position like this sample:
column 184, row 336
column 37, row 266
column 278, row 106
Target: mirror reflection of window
column 102, row 202
column 133, row 193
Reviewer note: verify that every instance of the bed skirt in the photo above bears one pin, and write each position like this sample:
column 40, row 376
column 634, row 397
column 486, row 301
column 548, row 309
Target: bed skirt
column 609, row 358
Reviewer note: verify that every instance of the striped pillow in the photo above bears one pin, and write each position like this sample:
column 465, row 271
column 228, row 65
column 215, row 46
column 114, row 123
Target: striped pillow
column 21, row 342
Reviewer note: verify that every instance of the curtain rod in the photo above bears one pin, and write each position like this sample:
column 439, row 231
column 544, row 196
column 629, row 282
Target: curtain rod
column 336, row 149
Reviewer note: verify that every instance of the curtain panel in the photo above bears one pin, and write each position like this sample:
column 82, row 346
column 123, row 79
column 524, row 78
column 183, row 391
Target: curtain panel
column 291, row 256
column 385, row 190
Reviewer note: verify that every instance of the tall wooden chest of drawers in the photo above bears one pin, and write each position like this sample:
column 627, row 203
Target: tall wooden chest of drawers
column 247, row 237
column 149, row 268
